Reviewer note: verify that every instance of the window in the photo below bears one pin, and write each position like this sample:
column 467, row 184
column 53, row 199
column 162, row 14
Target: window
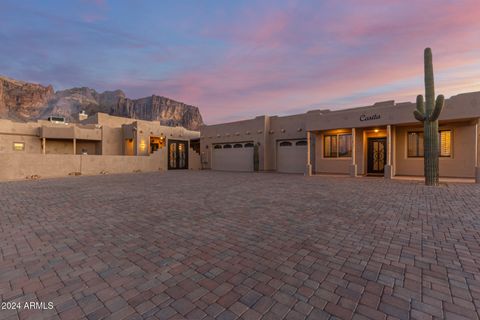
column 337, row 146
column 330, row 146
column 285, row 144
column 445, row 143
column 227, row 146
column 217, row 146
column 19, row 146
column 301, row 143
column 238, row 145
column 415, row 144
column 416, row 139
column 248, row 145
column 345, row 145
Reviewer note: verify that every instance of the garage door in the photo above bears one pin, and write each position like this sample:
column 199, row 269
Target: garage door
column 233, row 157
column 291, row 156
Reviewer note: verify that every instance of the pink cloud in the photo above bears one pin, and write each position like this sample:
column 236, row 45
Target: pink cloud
column 237, row 61
column 281, row 60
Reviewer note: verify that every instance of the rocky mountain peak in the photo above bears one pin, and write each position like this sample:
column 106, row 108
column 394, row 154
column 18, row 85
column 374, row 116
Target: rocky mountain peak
column 23, row 101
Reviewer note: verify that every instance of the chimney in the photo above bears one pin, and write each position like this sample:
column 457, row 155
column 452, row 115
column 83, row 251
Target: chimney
column 82, row 116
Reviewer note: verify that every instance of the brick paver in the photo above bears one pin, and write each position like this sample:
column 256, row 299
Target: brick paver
column 199, row 245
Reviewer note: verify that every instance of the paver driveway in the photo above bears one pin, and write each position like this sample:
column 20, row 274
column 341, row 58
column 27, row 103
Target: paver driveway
column 226, row 245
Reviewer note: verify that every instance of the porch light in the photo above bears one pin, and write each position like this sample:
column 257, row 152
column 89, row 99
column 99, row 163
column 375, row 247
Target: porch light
column 142, row 145
column 376, row 130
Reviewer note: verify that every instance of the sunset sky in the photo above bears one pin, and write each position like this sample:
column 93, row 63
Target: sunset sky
column 240, row 59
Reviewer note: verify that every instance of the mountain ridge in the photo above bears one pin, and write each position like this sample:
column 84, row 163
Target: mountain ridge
column 26, row 101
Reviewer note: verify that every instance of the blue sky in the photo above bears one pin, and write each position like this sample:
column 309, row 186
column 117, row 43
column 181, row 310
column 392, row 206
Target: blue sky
column 238, row 59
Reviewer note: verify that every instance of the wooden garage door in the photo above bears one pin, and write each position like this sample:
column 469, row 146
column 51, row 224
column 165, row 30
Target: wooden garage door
column 291, row 156
column 233, row 157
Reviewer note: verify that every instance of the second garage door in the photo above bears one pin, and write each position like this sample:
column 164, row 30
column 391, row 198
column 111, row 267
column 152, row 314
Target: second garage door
column 291, row 156
column 233, row 157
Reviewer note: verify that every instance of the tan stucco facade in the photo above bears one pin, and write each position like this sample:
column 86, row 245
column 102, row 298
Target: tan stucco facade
column 375, row 139
column 98, row 144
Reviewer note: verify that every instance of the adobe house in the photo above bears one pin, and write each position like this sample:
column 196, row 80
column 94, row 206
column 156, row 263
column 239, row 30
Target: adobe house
column 97, row 144
column 383, row 139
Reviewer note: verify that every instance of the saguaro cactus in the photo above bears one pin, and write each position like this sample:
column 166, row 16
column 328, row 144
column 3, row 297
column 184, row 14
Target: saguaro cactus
column 428, row 113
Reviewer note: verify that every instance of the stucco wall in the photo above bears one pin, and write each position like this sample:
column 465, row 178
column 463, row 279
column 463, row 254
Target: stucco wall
column 193, row 160
column 332, row 165
column 91, row 147
column 112, row 143
column 461, row 164
column 18, row 166
column 240, row 131
column 284, row 128
column 266, row 131
column 32, row 143
column 54, row 146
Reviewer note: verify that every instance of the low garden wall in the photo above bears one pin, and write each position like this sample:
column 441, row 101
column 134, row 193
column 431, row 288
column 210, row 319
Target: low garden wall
column 15, row 166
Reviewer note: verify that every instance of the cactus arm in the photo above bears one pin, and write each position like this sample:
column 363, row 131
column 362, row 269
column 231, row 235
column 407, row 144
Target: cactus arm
column 439, row 103
column 420, row 112
column 420, row 104
column 419, row 116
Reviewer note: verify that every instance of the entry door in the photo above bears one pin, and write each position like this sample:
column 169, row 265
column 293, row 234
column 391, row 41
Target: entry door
column 377, row 155
column 177, row 154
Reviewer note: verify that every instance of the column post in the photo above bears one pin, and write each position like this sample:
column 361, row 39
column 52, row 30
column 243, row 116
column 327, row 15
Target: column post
column 74, row 141
column 388, row 167
column 44, row 145
column 477, row 156
column 353, row 165
column 308, row 170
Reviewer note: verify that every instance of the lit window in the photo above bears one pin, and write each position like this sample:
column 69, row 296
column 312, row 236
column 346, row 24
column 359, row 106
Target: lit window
column 337, row 146
column 18, row 146
column 445, row 143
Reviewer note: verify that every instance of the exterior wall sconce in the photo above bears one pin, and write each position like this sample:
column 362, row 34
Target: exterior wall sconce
column 259, row 131
column 142, row 145
column 237, row 133
column 299, row 129
column 283, row 130
column 247, row 132
column 271, row 132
